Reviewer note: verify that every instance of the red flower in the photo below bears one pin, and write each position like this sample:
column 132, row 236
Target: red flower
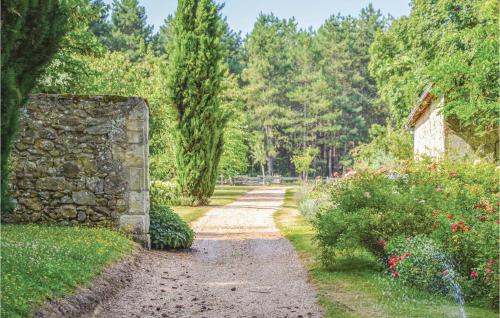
column 473, row 275
column 407, row 254
column 434, row 226
column 460, row 226
column 381, row 242
column 392, row 261
column 336, row 174
column 483, row 218
column 450, row 217
column 453, row 174
column 490, row 263
column 498, row 221
column 489, row 271
column 395, row 274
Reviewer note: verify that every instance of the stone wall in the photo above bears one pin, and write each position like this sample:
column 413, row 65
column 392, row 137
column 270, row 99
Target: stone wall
column 83, row 160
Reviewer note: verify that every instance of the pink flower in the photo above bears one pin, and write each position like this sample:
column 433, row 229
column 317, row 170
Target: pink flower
column 445, row 273
column 395, row 274
column 381, row 242
column 473, row 275
column 453, row 174
column 489, row 271
column 336, row 174
column 450, row 217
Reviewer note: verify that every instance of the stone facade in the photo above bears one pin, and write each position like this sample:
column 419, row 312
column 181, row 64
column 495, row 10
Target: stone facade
column 429, row 132
column 83, row 160
column 436, row 136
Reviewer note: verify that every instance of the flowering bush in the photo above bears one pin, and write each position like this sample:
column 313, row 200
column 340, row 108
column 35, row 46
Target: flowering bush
column 422, row 263
column 453, row 204
column 164, row 192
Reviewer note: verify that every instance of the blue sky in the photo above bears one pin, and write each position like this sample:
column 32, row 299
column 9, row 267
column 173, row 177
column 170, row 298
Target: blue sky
column 241, row 14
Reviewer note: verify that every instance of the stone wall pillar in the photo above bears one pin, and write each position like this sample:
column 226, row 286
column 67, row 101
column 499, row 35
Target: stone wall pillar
column 136, row 170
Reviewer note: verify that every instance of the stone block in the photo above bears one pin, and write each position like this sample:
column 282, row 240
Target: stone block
column 135, row 137
column 52, row 184
column 84, row 198
column 135, row 156
column 135, row 224
column 95, row 185
column 67, row 211
column 136, row 179
column 70, row 169
column 138, row 202
column 135, row 125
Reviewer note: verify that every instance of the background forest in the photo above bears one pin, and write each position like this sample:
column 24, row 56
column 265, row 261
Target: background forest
column 315, row 95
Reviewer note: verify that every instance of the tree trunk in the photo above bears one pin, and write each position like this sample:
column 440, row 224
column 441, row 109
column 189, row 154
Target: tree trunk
column 263, row 174
column 270, row 166
column 330, row 165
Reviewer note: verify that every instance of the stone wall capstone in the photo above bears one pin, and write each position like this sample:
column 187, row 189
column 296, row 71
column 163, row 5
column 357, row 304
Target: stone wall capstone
column 82, row 160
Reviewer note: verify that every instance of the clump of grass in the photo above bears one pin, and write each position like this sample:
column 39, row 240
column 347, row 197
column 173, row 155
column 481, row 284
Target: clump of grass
column 40, row 263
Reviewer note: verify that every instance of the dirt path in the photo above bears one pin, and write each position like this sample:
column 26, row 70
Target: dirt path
column 240, row 266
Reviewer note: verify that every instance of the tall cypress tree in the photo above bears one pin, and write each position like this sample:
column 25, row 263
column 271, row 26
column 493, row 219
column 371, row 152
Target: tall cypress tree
column 31, row 33
column 194, row 83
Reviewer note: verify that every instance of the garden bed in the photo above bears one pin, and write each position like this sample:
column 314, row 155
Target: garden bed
column 356, row 286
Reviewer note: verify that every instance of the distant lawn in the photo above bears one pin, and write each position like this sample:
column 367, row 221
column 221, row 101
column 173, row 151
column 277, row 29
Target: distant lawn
column 40, row 263
column 222, row 195
column 356, row 286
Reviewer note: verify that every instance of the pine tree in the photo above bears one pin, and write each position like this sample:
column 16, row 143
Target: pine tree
column 31, row 33
column 267, row 76
column 129, row 29
column 100, row 25
column 194, row 82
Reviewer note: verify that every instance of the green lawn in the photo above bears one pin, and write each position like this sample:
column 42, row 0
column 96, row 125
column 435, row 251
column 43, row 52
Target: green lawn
column 356, row 286
column 40, row 263
column 222, row 195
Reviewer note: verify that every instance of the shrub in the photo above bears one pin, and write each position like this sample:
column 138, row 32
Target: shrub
column 168, row 230
column 454, row 204
column 164, row 193
column 311, row 201
column 420, row 262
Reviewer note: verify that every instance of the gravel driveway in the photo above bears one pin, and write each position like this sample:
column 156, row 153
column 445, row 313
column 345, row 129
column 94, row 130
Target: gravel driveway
column 240, row 266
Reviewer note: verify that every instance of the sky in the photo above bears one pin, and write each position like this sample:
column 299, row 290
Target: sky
column 241, row 14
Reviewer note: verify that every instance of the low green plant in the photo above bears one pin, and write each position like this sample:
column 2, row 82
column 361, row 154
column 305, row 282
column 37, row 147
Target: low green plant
column 168, row 230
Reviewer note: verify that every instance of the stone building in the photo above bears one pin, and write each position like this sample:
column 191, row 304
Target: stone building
column 82, row 160
column 436, row 136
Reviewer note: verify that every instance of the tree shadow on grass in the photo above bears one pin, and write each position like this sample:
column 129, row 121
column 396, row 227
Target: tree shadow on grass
column 355, row 261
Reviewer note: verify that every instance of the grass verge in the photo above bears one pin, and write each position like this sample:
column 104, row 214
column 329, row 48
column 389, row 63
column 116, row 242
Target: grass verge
column 222, row 195
column 40, row 263
column 356, row 286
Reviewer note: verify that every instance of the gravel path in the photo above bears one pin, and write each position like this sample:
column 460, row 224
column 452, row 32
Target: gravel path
column 240, row 266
